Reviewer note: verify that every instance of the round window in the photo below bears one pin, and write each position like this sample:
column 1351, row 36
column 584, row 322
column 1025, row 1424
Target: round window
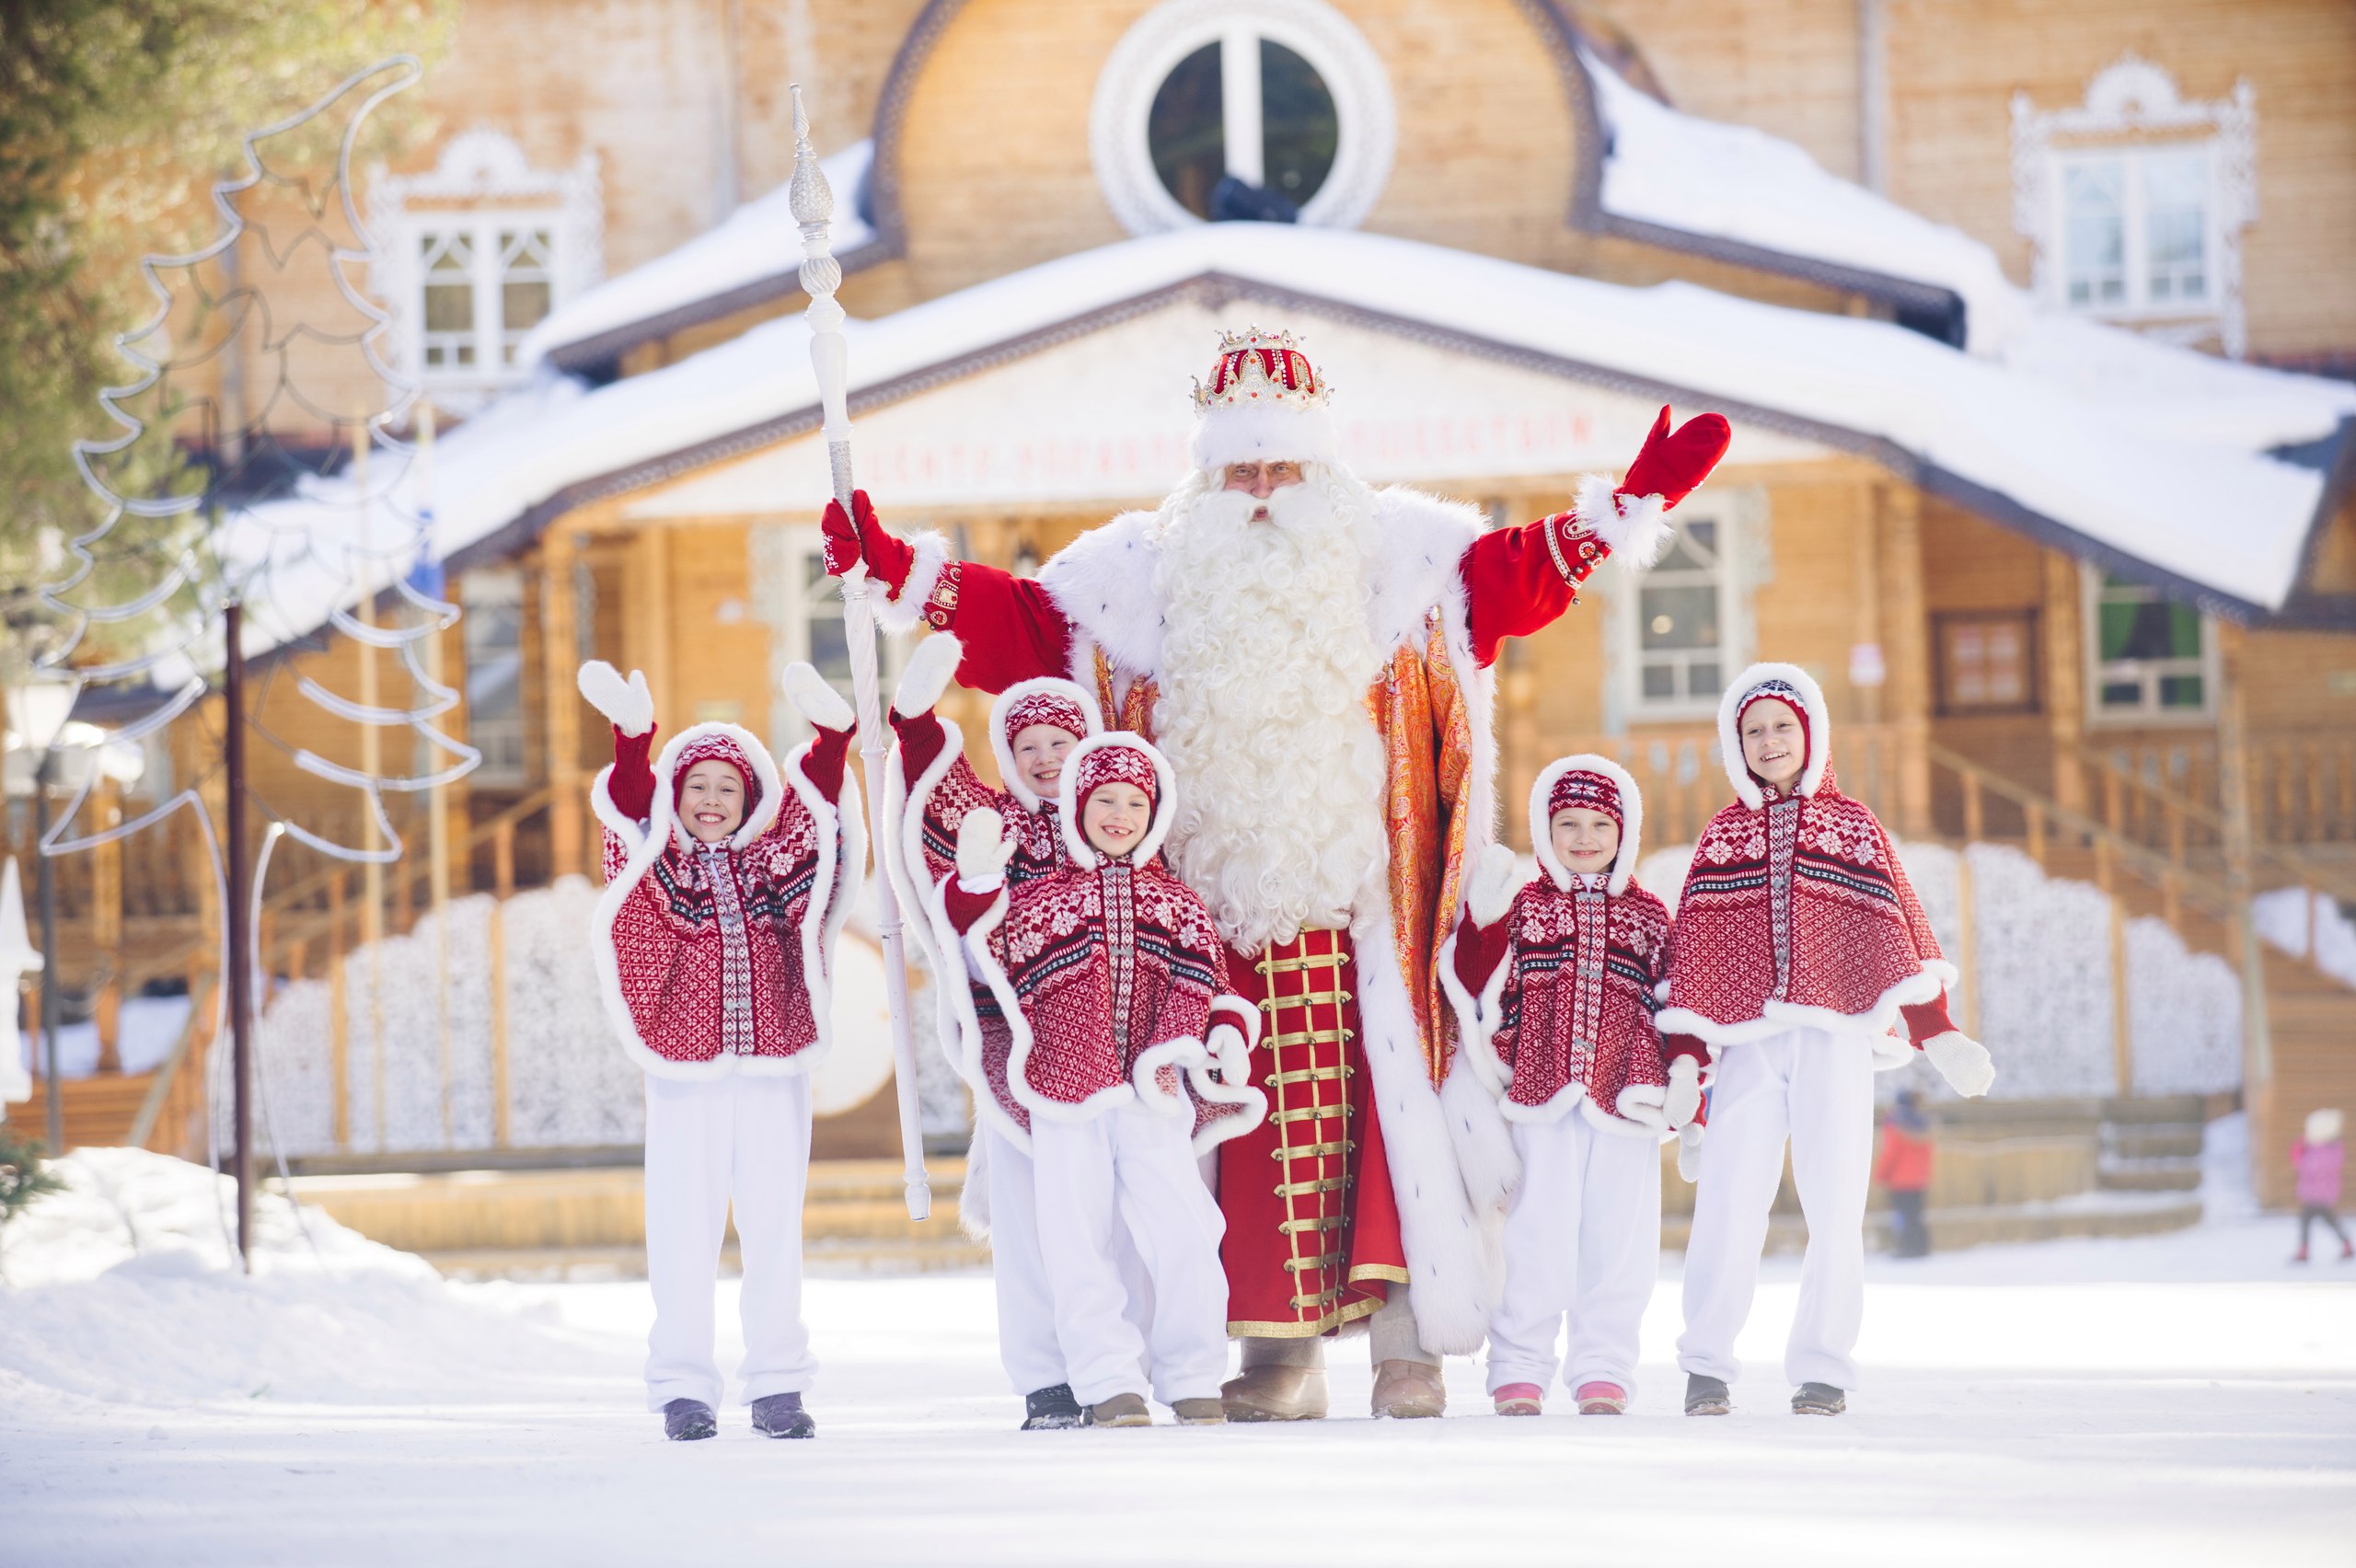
column 1274, row 109
column 1187, row 128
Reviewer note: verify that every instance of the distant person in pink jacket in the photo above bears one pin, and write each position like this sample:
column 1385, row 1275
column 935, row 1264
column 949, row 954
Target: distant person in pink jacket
column 2317, row 1158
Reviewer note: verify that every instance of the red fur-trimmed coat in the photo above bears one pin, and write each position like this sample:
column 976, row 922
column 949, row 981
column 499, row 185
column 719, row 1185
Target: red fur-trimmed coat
column 1555, row 1003
column 1797, row 913
column 716, row 958
column 1110, row 978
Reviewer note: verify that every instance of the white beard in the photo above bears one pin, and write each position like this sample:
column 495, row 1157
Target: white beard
column 1266, row 657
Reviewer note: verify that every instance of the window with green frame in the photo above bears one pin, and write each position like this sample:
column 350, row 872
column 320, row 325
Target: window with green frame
column 2151, row 654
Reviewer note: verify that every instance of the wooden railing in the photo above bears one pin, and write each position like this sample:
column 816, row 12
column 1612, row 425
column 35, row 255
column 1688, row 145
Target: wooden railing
column 2301, row 787
column 2138, row 805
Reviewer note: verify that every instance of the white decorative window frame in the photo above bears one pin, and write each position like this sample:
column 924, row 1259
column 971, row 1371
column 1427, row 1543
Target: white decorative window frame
column 2142, row 717
column 482, row 176
column 1367, row 118
column 2129, row 98
column 1747, row 563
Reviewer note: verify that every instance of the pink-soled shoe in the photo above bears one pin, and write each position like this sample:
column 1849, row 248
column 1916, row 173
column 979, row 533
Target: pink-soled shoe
column 1602, row 1399
column 1519, row 1399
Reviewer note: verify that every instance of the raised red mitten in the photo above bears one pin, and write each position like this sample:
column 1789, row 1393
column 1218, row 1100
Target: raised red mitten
column 1673, row 463
column 824, row 765
column 889, row 560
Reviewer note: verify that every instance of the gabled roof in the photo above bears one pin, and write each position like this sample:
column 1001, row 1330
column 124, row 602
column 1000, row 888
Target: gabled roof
column 750, row 258
column 2153, row 461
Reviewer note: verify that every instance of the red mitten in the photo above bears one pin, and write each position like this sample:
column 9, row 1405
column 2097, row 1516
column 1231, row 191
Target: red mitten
column 888, row 559
column 1671, row 465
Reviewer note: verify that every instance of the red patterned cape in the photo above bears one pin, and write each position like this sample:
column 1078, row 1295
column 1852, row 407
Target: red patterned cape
column 1797, row 913
column 1555, row 1003
column 715, row 959
column 932, row 789
column 1110, row 978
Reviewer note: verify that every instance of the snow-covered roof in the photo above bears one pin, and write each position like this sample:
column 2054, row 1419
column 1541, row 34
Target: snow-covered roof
column 1734, row 183
column 750, row 255
column 2128, row 451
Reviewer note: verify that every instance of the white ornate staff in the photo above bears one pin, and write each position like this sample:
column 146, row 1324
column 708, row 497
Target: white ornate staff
column 814, row 204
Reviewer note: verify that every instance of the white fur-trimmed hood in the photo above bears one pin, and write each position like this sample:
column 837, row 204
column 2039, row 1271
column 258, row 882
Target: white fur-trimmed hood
column 1632, row 819
column 1820, row 729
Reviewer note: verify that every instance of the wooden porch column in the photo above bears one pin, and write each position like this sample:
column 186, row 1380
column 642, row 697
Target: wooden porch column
column 2233, row 798
column 1906, row 650
column 106, row 924
column 2066, row 686
column 559, row 645
column 646, row 631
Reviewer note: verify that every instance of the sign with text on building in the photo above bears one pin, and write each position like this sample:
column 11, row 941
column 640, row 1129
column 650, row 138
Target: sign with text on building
column 1104, row 418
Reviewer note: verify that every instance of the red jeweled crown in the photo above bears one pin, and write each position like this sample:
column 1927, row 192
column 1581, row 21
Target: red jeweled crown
column 1260, row 368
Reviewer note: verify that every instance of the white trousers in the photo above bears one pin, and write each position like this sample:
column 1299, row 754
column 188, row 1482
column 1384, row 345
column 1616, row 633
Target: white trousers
column 1817, row 1089
column 1582, row 1242
column 1027, row 1346
column 1130, row 1167
column 708, row 1142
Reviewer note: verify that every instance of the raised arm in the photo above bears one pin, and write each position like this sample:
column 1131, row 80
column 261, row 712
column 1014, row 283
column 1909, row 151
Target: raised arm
column 1010, row 625
column 629, row 707
column 1517, row 580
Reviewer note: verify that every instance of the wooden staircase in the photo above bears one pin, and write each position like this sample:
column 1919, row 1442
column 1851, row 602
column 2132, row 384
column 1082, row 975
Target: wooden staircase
column 2165, row 855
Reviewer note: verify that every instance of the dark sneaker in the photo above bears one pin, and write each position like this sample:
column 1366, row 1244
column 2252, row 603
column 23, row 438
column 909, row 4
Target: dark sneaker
column 1707, row 1396
column 781, row 1416
column 684, row 1420
column 1121, row 1410
column 1051, row 1408
column 1819, row 1399
column 1210, row 1412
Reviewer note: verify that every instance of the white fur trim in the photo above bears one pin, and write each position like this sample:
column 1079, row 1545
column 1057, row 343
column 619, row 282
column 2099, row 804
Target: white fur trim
column 1776, row 1018
column 961, row 1025
column 813, row 699
column 1269, row 431
column 974, row 1197
column 1485, row 1156
column 1632, row 819
column 1102, row 581
column 844, row 846
column 1639, row 1114
column 627, row 704
column 1002, row 743
column 944, row 958
column 1476, row 1015
column 932, row 664
column 1634, row 526
column 1453, row 1279
column 1214, row 1085
column 984, row 962
column 1962, row 1061
column 1165, row 808
column 1820, row 729
column 906, row 613
column 1182, row 1053
column 1418, row 567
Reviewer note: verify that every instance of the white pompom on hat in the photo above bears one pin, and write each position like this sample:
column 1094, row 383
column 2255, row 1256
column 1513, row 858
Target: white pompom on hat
column 1264, row 403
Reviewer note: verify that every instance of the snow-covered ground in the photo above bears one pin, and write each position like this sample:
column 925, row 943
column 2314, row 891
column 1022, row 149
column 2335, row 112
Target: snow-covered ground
column 2188, row 1398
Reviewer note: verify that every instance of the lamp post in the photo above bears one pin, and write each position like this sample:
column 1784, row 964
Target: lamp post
column 38, row 714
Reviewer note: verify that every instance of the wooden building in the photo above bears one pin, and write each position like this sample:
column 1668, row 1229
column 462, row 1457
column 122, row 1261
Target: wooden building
column 1521, row 225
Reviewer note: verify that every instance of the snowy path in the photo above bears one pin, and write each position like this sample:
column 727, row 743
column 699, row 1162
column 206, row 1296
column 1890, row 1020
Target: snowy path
column 2181, row 1399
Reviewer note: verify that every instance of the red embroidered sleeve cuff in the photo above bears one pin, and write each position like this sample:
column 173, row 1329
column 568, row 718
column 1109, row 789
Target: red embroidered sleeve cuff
column 823, row 763
column 965, row 909
column 1479, row 951
column 1924, row 1020
column 631, row 787
column 1688, row 1045
column 921, row 738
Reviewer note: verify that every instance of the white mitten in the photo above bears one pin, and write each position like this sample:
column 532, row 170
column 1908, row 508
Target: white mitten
column 1232, row 1055
column 1962, row 1061
column 813, row 699
column 930, row 667
column 1489, row 896
column 1684, row 1099
column 1688, row 1152
column 983, row 850
column 627, row 704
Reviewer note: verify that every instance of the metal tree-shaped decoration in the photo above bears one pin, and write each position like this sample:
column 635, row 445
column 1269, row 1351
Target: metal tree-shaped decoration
column 288, row 523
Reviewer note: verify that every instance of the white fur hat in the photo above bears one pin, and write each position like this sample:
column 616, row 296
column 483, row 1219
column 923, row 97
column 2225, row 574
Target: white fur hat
column 2323, row 1126
column 1265, row 403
